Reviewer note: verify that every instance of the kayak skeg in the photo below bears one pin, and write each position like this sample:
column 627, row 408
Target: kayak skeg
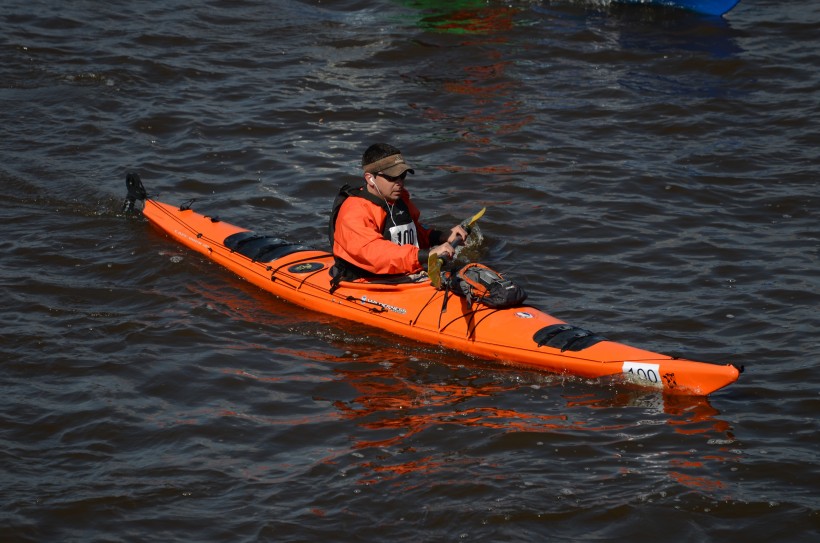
column 520, row 336
column 707, row 7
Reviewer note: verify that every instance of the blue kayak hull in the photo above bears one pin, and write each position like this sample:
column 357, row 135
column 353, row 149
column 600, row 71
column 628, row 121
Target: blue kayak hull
column 709, row 7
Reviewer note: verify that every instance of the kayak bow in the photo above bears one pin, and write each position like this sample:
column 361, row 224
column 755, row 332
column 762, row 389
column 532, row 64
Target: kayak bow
column 522, row 336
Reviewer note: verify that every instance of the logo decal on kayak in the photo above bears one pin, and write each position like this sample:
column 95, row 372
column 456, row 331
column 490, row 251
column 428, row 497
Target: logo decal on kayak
column 523, row 315
column 306, row 267
column 394, row 309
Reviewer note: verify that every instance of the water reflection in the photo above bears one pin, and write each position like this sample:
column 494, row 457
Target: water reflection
column 464, row 17
column 398, row 399
column 480, row 102
column 398, row 404
column 393, row 397
column 694, row 468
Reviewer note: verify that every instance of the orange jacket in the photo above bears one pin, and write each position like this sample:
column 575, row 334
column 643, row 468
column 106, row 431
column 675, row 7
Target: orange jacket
column 360, row 240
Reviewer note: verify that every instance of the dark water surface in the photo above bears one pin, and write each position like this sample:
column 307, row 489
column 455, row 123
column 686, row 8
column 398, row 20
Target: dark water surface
column 651, row 175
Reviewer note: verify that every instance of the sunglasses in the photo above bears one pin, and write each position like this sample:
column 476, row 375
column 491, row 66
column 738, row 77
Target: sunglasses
column 395, row 179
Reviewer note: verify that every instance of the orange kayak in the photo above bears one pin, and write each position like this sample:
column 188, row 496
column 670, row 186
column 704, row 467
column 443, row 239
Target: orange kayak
column 522, row 336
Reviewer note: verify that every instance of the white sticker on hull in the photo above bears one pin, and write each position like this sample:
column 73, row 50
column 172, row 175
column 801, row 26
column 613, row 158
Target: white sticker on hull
column 643, row 374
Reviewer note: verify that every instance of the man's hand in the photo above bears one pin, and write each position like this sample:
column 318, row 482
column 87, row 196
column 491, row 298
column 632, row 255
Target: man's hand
column 459, row 233
column 445, row 250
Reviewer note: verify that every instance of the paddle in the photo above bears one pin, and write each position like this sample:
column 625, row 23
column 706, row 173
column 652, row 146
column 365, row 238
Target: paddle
column 434, row 261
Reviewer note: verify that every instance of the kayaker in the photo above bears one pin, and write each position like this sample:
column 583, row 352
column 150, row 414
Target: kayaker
column 375, row 231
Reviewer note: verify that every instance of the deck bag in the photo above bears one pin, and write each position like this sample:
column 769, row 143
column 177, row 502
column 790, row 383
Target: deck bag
column 480, row 284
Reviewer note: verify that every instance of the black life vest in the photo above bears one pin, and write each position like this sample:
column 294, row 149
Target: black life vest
column 398, row 228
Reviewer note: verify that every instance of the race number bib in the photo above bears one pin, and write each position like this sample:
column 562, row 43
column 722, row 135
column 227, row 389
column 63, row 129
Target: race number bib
column 404, row 234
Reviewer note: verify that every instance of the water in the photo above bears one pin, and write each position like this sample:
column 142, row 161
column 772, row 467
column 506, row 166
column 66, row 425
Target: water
column 649, row 174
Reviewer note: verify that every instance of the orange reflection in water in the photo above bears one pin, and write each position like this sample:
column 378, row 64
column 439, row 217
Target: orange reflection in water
column 493, row 108
column 698, row 482
column 688, row 416
column 392, row 399
column 467, row 18
column 488, row 105
column 398, row 404
column 397, row 398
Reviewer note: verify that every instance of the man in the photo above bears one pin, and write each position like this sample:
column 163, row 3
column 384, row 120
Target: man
column 375, row 230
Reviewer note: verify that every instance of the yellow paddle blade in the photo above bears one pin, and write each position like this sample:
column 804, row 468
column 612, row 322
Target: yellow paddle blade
column 434, row 263
column 472, row 220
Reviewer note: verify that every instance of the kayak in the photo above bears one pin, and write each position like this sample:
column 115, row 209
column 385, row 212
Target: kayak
column 520, row 336
column 707, row 7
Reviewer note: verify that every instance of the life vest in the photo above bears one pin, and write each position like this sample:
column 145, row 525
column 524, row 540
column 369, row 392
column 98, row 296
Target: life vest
column 399, row 228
